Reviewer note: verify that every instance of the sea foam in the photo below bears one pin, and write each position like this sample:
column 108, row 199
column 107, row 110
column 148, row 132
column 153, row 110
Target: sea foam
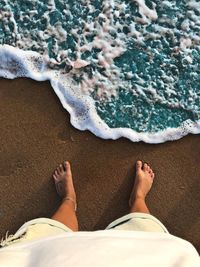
column 121, row 68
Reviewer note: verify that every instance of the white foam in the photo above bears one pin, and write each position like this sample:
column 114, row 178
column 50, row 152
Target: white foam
column 19, row 63
column 147, row 13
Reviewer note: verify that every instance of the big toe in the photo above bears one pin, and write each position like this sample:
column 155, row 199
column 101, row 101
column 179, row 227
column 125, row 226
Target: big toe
column 68, row 168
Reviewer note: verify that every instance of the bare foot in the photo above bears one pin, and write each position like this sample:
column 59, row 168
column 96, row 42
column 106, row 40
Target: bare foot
column 143, row 181
column 64, row 182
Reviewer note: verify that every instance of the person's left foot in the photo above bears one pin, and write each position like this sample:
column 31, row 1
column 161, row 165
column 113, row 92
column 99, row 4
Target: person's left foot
column 64, row 182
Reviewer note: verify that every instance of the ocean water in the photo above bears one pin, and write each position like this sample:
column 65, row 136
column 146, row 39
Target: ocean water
column 126, row 68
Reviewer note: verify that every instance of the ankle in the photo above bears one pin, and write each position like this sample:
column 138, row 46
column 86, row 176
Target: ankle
column 139, row 195
column 135, row 199
column 71, row 201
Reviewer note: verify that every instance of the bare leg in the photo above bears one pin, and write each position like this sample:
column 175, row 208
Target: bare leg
column 143, row 182
column 66, row 213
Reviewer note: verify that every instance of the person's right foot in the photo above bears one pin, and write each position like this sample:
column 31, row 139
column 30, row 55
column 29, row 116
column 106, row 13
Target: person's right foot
column 143, row 181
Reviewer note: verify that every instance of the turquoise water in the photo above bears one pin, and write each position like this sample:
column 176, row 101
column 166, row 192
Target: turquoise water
column 138, row 61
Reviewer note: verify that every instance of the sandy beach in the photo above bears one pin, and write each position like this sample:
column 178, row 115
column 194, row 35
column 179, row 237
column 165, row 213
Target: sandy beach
column 36, row 136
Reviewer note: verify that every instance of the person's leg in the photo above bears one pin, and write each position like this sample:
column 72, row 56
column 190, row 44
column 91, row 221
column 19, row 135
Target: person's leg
column 139, row 217
column 143, row 182
column 66, row 213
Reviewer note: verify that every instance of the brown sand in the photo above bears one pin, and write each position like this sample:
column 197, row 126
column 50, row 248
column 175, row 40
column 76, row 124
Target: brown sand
column 36, row 136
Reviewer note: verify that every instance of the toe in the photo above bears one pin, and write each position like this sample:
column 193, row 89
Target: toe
column 153, row 175
column 145, row 167
column 58, row 171
column 138, row 165
column 150, row 168
column 65, row 165
column 55, row 177
column 68, row 168
column 61, row 168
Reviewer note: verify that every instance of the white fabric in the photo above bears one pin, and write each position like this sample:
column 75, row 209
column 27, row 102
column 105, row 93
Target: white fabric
column 138, row 221
column 102, row 248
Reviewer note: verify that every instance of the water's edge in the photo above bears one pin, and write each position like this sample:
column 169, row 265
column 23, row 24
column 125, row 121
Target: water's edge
column 83, row 116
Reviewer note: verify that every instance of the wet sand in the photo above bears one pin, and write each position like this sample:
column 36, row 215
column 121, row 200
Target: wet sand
column 36, row 136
